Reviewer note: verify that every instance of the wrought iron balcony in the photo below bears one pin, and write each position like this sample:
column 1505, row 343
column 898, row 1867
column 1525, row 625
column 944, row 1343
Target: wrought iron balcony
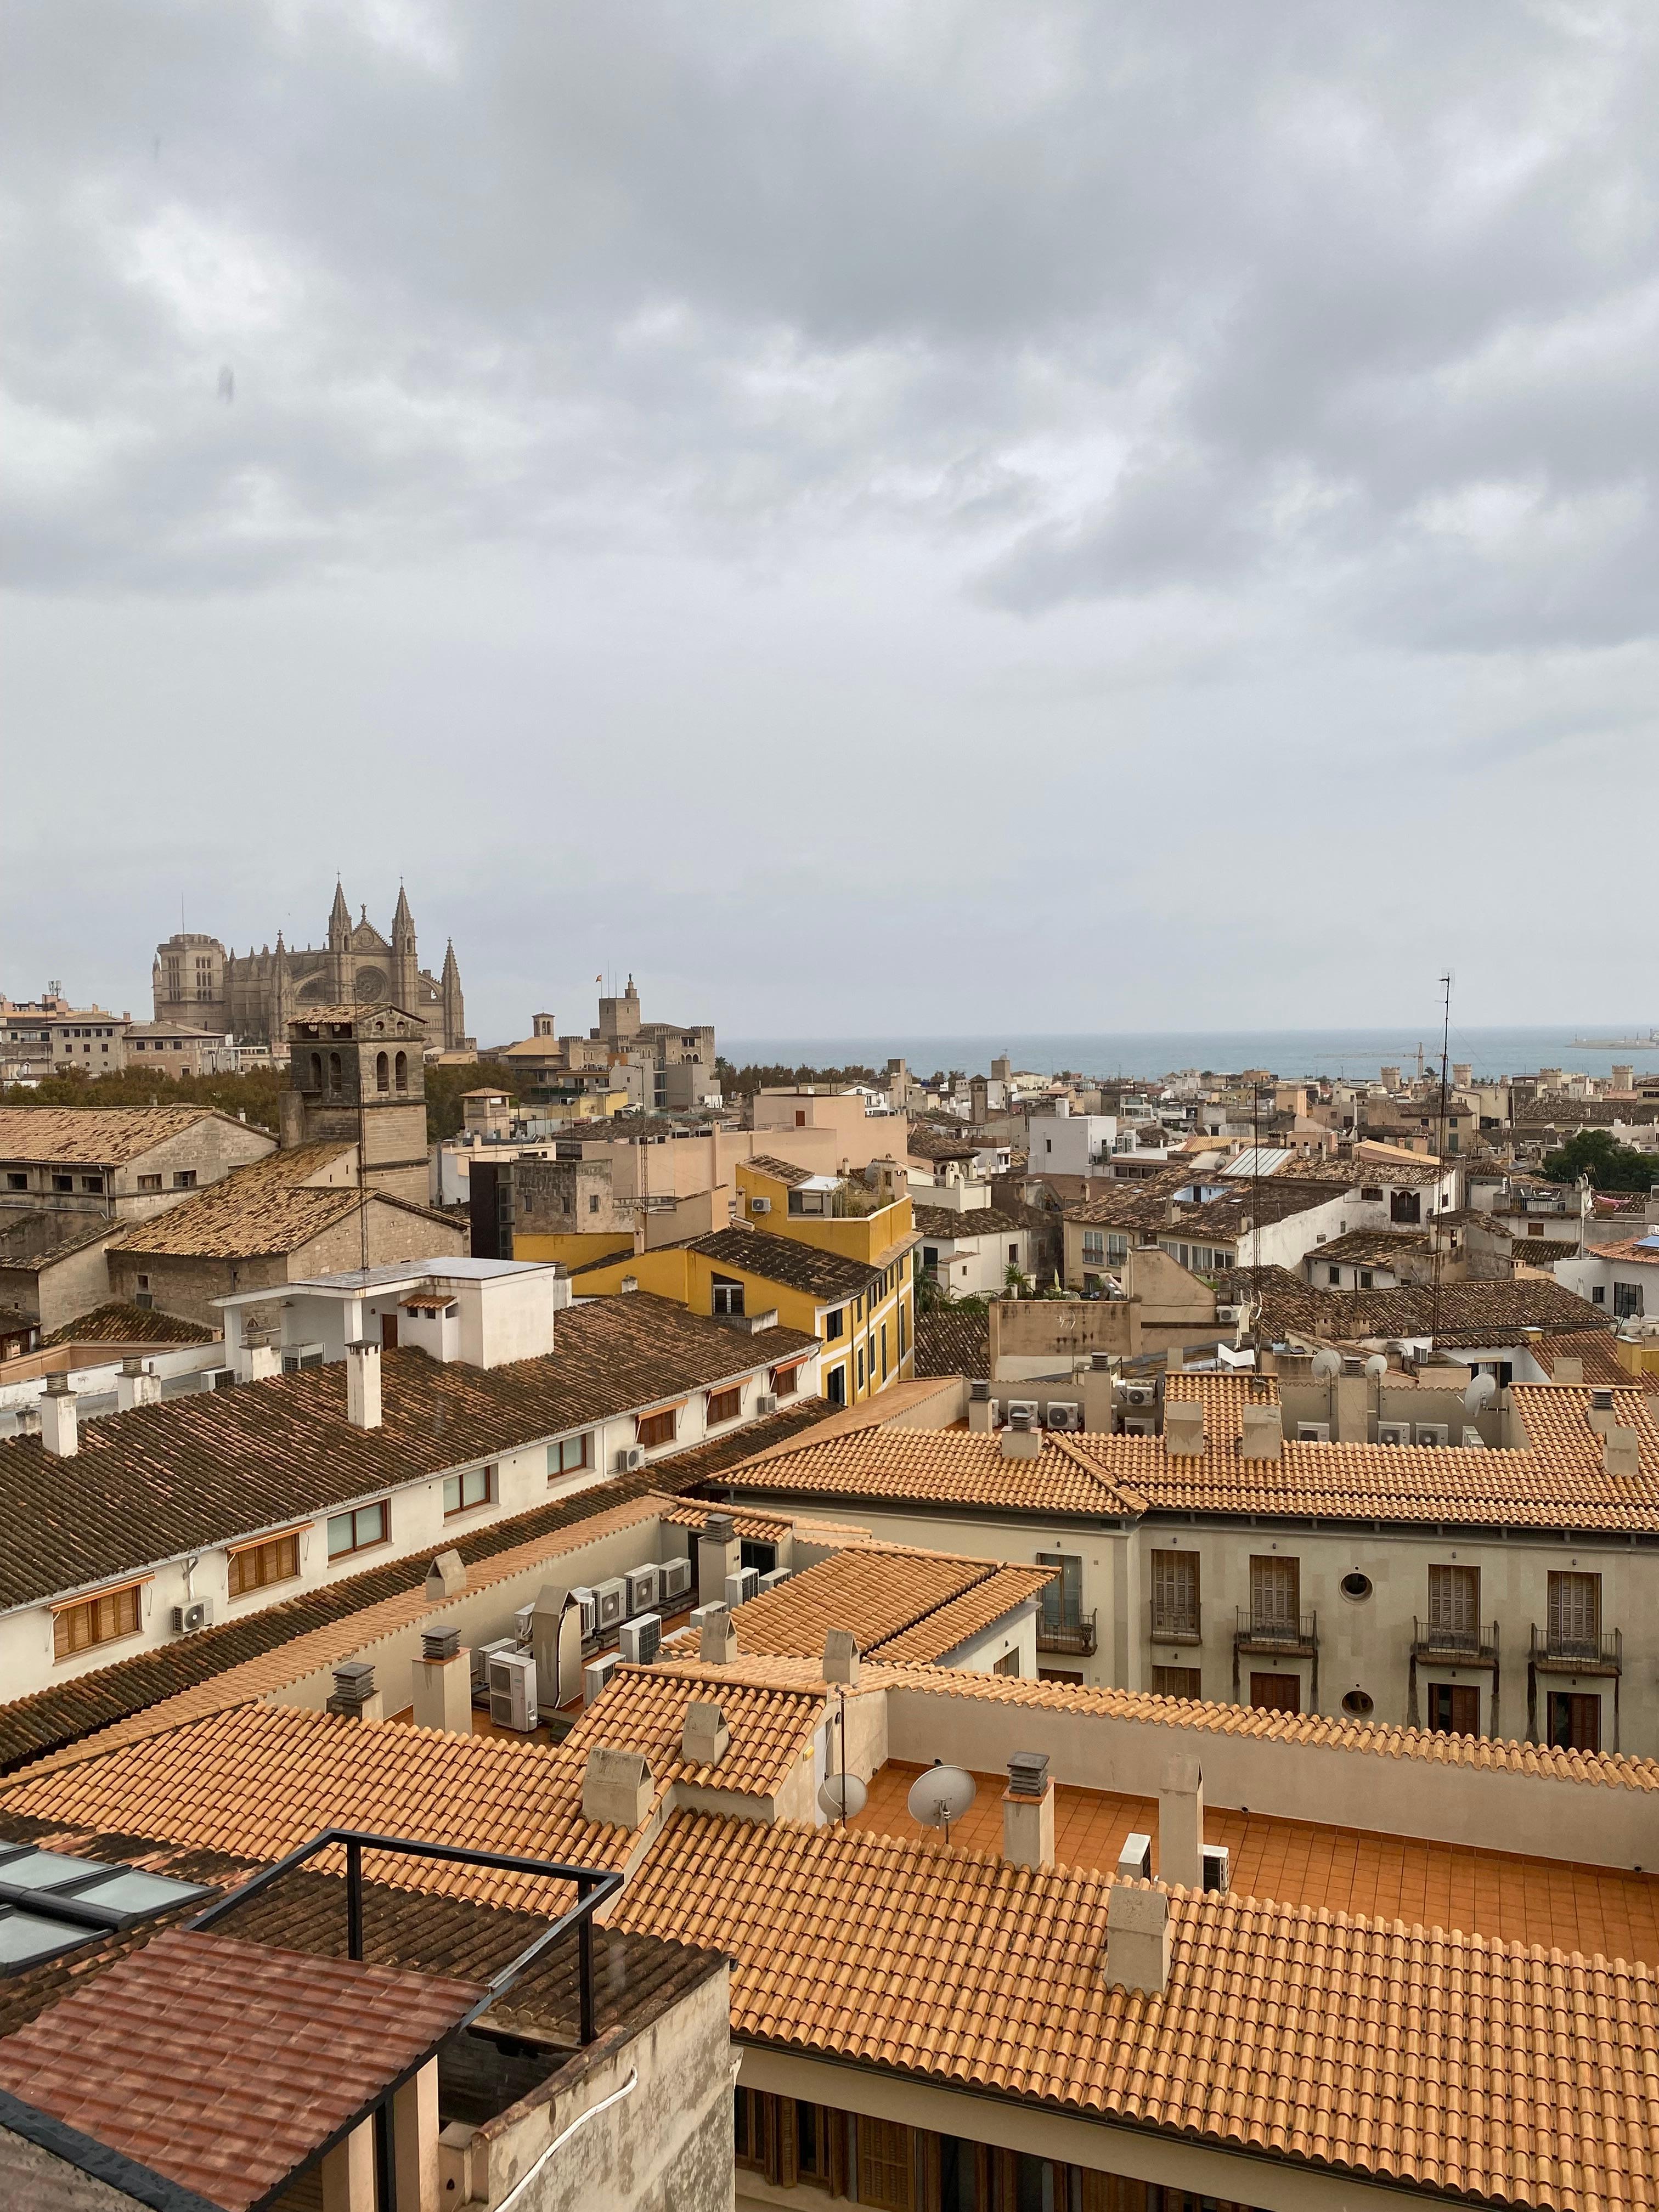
column 1260, row 1630
column 1562, row 1651
column 1474, row 1646
column 1177, row 1623
column 1076, row 1637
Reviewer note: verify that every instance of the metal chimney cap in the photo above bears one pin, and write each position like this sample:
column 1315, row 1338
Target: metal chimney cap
column 57, row 1386
column 356, row 1676
column 719, row 1528
column 1602, row 1399
column 439, row 1642
column 1028, row 1773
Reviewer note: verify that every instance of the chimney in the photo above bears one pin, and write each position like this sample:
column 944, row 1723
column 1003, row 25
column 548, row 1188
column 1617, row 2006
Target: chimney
column 1264, row 1432
column 1601, row 1414
column 1028, row 1811
column 355, row 1698
column 1620, row 1455
column 1183, row 1428
column 717, row 1639
column 719, row 1554
column 617, row 1787
column 1138, row 1937
column 363, row 1384
column 1021, row 1441
column 1569, row 1368
column 1180, row 1824
column 60, row 1431
column 446, row 1577
column 841, row 1658
column 135, row 1385
column 705, row 1739
column 1350, row 1397
column 443, row 1682
column 257, row 1360
column 982, row 1416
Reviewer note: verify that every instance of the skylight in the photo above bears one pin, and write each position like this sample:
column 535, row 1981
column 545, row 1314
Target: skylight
column 52, row 1903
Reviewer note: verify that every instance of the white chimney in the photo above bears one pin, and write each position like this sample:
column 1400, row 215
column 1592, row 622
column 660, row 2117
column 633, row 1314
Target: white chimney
column 257, row 1360
column 60, row 1431
column 1028, row 1811
column 705, row 1738
column 841, row 1658
column 1138, row 1937
column 135, row 1385
column 1180, row 1824
column 363, row 1384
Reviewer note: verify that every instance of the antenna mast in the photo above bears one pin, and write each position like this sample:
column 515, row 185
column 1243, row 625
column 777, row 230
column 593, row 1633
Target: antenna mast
column 1436, row 1247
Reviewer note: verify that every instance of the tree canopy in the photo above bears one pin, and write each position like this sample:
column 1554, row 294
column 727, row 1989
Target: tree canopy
column 1609, row 1164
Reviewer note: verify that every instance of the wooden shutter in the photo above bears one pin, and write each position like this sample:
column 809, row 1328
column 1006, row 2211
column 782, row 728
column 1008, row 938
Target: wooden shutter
column 1175, row 1582
column 1275, row 1588
column 1454, row 1597
column 885, row 2177
column 1575, row 1609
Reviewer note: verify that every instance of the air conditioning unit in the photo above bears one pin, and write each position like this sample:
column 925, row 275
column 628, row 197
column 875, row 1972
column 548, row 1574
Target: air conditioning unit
column 1141, row 1394
column 512, row 1691
column 612, row 1598
column 1217, row 1867
column 765, row 1403
column 1141, row 1428
column 1433, row 1432
column 187, row 1619
column 589, row 1610
column 597, row 1673
column 480, row 1657
column 1313, row 1432
column 218, row 1378
column 1230, row 1315
column 630, row 1459
column 524, row 1627
column 642, row 1591
column 1063, row 1416
column 770, row 1581
column 712, row 1611
column 760, row 1206
column 639, row 1641
column 674, row 1578
column 1473, row 1440
column 1393, row 1432
column 1023, row 1413
column 741, row 1586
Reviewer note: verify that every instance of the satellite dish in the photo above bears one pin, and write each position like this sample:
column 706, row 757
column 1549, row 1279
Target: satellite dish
column 1327, row 1363
column 1376, row 1367
column 842, row 1797
column 1478, row 1391
column 941, row 1795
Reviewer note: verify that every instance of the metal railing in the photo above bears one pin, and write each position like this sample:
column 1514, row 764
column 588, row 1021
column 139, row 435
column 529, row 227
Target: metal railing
column 1076, row 1636
column 1259, row 1629
column 1475, row 1645
column 1599, row 1652
column 1177, row 1624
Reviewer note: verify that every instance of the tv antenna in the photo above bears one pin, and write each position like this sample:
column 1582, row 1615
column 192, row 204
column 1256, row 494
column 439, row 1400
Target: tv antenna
column 1436, row 1242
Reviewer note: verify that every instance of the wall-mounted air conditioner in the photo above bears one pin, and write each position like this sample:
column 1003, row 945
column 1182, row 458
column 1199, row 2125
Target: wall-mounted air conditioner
column 1433, row 1432
column 612, row 1597
column 1393, row 1432
column 1059, row 1416
column 512, row 1691
column 765, row 1403
column 760, row 1206
column 1229, row 1315
column 642, row 1588
column 1313, row 1432
column 630, row 1459
column 1023, row 1413
column 741, row 1586
column 187, row 1619
column 1141, row 1394
column 639, row 1641
column 674, row 1578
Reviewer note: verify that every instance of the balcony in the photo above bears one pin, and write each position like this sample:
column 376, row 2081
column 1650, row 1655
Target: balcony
column 1177, row 1623
column 1559, row 1651
column 1284, row 1635
column 1474, row 1646
column 1076, row 1638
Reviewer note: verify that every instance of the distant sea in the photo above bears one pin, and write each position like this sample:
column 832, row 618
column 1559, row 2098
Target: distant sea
column 1290, row 1054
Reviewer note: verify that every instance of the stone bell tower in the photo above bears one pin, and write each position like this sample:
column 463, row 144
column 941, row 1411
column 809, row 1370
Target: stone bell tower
column 358, row 1075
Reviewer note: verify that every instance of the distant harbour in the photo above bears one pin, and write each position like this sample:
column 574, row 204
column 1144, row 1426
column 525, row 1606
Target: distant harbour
column 1290, row 1054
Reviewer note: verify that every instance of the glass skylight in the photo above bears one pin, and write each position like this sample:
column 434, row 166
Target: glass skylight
column 51, row 1902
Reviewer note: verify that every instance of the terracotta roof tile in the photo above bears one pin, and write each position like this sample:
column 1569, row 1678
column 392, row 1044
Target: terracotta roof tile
column 942, row 1466
column 971, row 1615
column 948, row 1342
column 93, row 1136
column 116, row 1323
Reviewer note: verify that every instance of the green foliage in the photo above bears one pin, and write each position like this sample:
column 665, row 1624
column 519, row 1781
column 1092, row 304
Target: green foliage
column 445, row 1087
column 1609, row 1164
column 1017, row 1282
column 744, row 1082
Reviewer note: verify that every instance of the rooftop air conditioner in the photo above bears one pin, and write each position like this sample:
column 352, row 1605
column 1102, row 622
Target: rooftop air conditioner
column 589, row 1610
column 1473, row 1439
column 1023, row 1413
column 741, row 1586
column 642, row 1588
column 1141, row 1394
column 639, row 1641
column 1059, row 1416
column 1230, row 1315
column 1139, row 1428
column 712, row 1611
column 760, row 1206
column 187, row 1619
column 218, row 1378
column 1433, row 1432
column 512, row 1680
column 630, row 1459
column 612, row 1597
column 765, row 1403
column 1313, row 1432
column 1393, row 1432
column 480, row 1656
column 769, row 1582
column 597, row 1673
column 674, row 1578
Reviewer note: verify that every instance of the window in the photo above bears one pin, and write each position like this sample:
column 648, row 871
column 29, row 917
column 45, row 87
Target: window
column 149, row 1182
column 1599, row 1295
column 92, row 1182
column 1364, row 1278
column 382, row 1072
column 21, row 1181
column 1276, row 1693
column 1454, row 1605
column 785, row 1381
column 334, row 1071
column 1627, row 1300
column 835, row 1385
column 1575, row 1720
column 886, row 2167
column 255, row 1566
column 754, row 1551
column 477, row 1487
column 1062, row 1599
column 1371, row 1196
column 813, row 2144
column 1574, row 1616
column 1177, row 1682
column 860, row 1384
column 1094, row 1244
column 1358, row 1705
column 1454, row 1709
column 184, row 1178
column 1275, row 1592
column 401, row 1071
column 751, row 2114
column 883, row 1351
column 725, row 1405
column 725, row 1296
column 833, row 1324
column 568, row 1454
column 91, row 1620
column 1008, row 1664
column 1174, row 1594
column 656, row 1429
column 1334, row 1277
column 1356, row 1587
column 359, row 1530
column 593, row 1204
column 62, row 1182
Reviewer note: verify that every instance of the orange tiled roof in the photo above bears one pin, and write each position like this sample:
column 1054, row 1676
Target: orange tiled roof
column 977, row 1609
column 875, row 1591
column 947, row 1467
column 1396, row 2054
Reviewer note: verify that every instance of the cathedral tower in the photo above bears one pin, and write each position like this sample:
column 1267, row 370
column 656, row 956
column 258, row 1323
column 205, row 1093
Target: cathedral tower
column 358, row 1075
column 405, row 969
column 454, row 1004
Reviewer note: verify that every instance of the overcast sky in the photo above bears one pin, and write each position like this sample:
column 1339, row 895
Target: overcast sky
column 934, row 518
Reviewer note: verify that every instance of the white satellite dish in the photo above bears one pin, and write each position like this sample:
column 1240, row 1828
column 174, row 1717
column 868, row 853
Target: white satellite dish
column 1326, row 1363
column 1376, row 1367
column 842, row 1797
column 941, row 1795
column 1478, row 1391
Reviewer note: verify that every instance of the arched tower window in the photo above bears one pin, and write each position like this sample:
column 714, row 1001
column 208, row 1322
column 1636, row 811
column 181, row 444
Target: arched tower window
column 382, row 1072
column 334, row 1071
column 316, row 1071
column 403, row 1071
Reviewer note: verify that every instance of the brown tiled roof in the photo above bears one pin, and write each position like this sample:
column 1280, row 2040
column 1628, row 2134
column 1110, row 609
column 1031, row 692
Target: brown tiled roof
column 1135, row 1204
column 978, row 1608
column 925, row 1142
column 940, row 1467
column 1373, row 1247
column 1431, row 2061
column 268, row 1206
column 786, row 1260
column 222, row 2065
column 118, row 1323
column 1602, row 1367
column 1471, row 1313
column 199, row 1471
column 26, row 1240
column 341, row 1617
column 944, row 1221
column 780, row 1170
column 1542, row 1251
column 1628, row 1248
column 643, row 1709
column 93, row 1136
column 875, row 1591
column 949, row 1342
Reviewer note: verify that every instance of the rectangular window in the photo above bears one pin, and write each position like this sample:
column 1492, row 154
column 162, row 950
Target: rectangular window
column 835, row 1385
column 1454, row 1709
column 1574, row 1615
column 1174, row 1594
column 1275, row 1591
column 1575, row 1720
column 16, row 1181
column 62, row 1182
column 1276, row 1693
column 568, row 1454
column 725, row 1296
column 184, row 1178
column 833, row 1324
column 1178, row 1682
column 149, row 1182
column 255, row 1566
column 886, row 2165
column 1455, row 1600
column 477, row 1487
column 724, row 1406
column 656, row 1429
column 1334, row 1277
column 1627, row 1300
column 860, row 1385
column 1062, row 1599
column 94, row 1621
column 360, row 1530
column 92, row 1182
column 785, row 1381
column 1008, row 1664
column 1094, row 1244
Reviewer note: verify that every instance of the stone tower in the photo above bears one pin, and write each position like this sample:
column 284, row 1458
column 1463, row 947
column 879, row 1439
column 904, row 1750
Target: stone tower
column 454, row 1004
column 357, row 1074
column 340, row 977
column 405, row 969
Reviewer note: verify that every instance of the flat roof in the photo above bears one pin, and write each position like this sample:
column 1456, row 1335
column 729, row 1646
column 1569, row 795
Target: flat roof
column 356, row 1280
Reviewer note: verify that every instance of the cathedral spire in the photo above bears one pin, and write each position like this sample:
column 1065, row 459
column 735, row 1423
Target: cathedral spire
column 403, row 921
column 455, row 1006
column 339, row 919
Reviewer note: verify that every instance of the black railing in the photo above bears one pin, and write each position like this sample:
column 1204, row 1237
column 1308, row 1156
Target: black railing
column 1594, row 1651
column 1262, row 1630
column 1076, row 1636
column 1476, row 1645
column 1176, row 1624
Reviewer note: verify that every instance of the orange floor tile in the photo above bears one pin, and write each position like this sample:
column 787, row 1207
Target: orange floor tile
column 1493, row 1893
